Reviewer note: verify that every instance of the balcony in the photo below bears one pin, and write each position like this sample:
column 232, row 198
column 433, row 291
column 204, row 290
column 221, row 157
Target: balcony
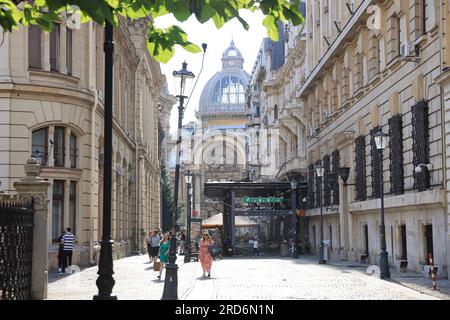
column 293, row 165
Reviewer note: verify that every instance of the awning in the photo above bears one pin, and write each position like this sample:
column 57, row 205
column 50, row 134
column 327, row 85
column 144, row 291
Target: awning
column 216, row 221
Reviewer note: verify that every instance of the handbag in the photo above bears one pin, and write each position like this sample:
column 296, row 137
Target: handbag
column 156, row 266
column 211, row 251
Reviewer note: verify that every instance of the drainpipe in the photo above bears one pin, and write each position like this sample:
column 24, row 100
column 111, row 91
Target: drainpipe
column 92, row 84
column 92, row 204
column 138, row 168
column 444, row 143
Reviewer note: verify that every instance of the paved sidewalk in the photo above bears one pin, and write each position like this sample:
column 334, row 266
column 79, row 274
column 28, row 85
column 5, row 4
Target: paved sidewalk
column 410, row 279
column 287, row 279
column 250, row 278
column 134, row 276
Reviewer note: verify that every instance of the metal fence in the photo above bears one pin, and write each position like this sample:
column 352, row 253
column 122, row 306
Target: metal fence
column 16, row 250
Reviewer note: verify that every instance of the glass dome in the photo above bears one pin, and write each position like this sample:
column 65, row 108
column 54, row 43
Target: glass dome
column 225, row 91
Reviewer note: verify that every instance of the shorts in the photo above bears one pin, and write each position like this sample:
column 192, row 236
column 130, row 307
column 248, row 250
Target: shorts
column 154, row 251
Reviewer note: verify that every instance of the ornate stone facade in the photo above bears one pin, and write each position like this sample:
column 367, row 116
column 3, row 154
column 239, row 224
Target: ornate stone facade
column 360, row 79
column 51, row 106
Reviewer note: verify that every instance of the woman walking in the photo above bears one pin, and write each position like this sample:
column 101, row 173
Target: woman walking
column 205, row 257
column 163, row 253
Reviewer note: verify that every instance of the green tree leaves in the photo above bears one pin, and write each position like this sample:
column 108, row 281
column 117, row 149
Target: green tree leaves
column 161, row 42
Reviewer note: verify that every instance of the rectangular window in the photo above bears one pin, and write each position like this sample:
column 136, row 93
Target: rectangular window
column 73, row 151
column 335, row 164
column 360, row 152
column 331, row 238
column 54, row 48
column 256, row 107
column 404, row 252
column 314, row 238
column 39, row 146
column 326, row 187
column 366, row 240
column 375, row 163
column 421, row 146
column 396, row 154
column 73, row 206
column 34, row 47
column 59, row 146
column 428, row 242
column 58, row 208
column 69, row 51
column 311, row 186
column 393, row 38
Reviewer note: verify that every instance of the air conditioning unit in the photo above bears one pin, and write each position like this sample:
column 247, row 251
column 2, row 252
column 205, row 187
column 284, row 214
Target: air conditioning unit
column 408, row 51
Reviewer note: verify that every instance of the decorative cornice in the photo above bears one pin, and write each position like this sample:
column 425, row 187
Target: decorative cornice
column 342, row 139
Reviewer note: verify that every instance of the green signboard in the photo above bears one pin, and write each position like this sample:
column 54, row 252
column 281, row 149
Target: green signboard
column 262, row 200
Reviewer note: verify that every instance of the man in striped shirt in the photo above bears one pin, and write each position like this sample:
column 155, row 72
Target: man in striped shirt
column 68, row 240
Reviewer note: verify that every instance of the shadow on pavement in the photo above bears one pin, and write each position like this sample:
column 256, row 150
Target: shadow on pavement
column 205, row 278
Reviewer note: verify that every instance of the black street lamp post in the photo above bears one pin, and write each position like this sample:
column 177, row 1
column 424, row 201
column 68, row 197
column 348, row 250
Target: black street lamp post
column 187, row 251
column 183, row 78
column 105, row 281
column 294, row 219
column 381, row 142
column 320, row 172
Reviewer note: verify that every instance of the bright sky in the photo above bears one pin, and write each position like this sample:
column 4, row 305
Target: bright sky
column 248, row 42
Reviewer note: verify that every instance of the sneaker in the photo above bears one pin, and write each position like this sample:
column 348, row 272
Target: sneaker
column 209, row 275
column 59, row 270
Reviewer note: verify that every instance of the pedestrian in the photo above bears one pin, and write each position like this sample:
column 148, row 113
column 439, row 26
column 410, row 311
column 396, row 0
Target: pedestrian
column 217, row 238
column 163, row 252
column 155, row 239
column 68, row 240
column 255, row 247
column 182, row 239
column 60, row 251
column 149, row 250
column 206, row 258
column 197, row 240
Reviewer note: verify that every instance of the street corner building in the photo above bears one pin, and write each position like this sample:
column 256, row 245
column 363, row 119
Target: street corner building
column 351, row 69
column 52, row 109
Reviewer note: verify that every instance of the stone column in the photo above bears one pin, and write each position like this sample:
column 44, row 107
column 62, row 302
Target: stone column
column 45, row 51
column 34, row 187
column 67, row 150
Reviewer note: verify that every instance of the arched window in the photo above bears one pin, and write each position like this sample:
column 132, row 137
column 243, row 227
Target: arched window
column 60, row 141
column 229, row 90
column 39, row 146
column 73, row 151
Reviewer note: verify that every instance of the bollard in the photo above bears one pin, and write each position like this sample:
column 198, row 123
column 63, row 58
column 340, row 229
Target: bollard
column 433, row 273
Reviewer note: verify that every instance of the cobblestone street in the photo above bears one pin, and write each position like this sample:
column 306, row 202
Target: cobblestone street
column 239, row 278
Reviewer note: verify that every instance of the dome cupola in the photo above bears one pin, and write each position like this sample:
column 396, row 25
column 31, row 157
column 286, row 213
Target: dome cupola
column 232, row 57
column 225, row 91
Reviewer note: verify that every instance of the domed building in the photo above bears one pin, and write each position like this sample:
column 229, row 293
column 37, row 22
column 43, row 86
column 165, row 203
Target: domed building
column 216, row 149
column 222, row 102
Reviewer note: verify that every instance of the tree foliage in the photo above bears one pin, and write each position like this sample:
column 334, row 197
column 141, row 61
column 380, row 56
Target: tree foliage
column 161, row 42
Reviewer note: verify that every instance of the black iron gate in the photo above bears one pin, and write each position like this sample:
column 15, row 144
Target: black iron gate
column 16, row 250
